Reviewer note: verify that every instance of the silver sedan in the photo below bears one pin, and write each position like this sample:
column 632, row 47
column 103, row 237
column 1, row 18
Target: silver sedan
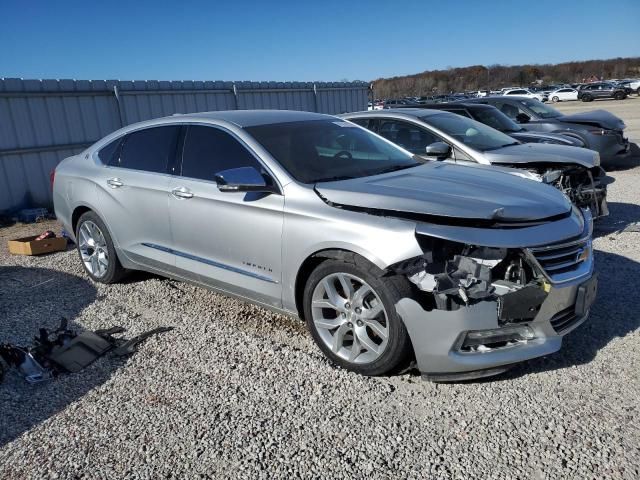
column 386, row 257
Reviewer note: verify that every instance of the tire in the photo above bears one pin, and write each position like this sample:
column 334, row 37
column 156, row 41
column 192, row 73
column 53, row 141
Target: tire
column 343, row 330
column 555, row 99
column 587, row 98
column 96, row 250
column 619, row 96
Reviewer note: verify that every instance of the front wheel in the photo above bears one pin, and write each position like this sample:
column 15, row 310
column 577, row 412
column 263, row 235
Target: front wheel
column 586, row 98
column 96, row 250
column 350, row 311
column 620, row 96
column 555, row 99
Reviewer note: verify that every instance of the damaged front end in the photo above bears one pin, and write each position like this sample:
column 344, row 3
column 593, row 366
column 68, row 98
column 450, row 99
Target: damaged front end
column 477, row 309
column 585, row 187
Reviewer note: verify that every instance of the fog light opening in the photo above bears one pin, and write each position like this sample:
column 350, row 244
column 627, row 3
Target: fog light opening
column 480, row 341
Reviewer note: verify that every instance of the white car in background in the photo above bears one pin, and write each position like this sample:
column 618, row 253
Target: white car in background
column 523, row 92
column 563, row 95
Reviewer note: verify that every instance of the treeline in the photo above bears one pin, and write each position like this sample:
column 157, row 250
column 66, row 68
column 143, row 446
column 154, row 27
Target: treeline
column 494, row 77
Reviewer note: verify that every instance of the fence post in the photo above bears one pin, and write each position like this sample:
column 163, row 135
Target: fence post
column 117, row 95
column 315, row 97
column 235, row 95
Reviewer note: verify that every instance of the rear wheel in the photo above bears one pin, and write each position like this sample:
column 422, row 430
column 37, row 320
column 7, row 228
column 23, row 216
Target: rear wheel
column 555, row 99
column 96, row 250
column 350, row 311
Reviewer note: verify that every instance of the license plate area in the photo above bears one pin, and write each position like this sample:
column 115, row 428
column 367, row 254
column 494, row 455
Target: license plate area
column 586, row 295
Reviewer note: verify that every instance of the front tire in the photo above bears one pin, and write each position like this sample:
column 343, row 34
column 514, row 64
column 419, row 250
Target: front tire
column 96, row 250
column 350, row 311
column 555, row 99
column 619, row 96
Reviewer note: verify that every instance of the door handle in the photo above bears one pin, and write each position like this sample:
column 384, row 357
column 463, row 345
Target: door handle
column 181, row 192
column 115, row 182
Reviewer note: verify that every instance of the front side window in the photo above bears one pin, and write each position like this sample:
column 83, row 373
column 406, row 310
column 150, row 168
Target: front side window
column 209, row 150
column 408, row 136
column 497, row 120
column 540, row 109
column 150, row 149
column 325, row 150
column 473, row 134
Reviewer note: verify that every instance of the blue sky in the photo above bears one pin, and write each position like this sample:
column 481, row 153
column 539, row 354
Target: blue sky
column 305, row 41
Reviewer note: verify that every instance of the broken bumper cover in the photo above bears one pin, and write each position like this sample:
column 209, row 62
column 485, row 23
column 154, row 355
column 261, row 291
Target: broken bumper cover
column 437, row 335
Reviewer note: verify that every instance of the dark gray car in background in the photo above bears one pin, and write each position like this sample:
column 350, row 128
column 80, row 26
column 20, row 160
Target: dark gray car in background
column 599, row 130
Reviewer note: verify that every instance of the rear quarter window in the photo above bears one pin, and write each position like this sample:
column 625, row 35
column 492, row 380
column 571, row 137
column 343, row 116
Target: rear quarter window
column 109, row 153
column 149, row 150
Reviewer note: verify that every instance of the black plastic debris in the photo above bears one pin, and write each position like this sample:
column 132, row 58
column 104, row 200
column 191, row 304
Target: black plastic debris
column 65, row 351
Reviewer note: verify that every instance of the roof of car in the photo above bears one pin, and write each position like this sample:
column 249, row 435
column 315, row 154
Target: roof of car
column 250, row 118
column 413, row 112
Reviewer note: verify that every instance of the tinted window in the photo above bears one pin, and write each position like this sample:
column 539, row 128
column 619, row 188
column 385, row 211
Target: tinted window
column 473, row 134
column 363, row 122
column 109, row 153
column 209, row 150
column 408, row 136
column 323, row 150
column 458, row 111
column 149, row 150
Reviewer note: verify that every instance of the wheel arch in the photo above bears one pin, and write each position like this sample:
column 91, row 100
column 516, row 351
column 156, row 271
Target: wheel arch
column 318, row 257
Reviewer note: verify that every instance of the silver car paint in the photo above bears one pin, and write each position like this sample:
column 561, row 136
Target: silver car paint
column 265, row 241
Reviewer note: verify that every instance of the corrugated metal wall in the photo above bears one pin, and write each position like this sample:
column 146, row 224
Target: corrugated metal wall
column 44, row 121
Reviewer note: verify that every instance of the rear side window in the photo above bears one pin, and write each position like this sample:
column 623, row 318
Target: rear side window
column 110, row 152
column 150, row 150
column 363, row 122
column 209, row 150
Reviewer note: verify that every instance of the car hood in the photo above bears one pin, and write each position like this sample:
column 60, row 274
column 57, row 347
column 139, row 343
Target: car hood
column 445, row 190
column 535, row 137
column 543, row 153
column 596, row 118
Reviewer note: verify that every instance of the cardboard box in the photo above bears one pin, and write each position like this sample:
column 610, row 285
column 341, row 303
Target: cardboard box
column 31, row 246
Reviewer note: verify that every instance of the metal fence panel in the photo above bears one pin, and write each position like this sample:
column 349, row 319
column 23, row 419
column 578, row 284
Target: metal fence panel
column 44, row 121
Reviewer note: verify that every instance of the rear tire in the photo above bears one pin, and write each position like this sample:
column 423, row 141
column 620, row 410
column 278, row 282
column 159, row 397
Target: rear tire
column 364, row 334
column 96, row 250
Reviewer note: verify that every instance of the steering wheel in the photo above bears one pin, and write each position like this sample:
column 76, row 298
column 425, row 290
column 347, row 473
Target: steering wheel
column 344, row 154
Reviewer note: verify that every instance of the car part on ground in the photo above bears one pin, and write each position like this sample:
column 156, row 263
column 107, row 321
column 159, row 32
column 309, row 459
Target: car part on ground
column 65, row 351
column 599, row 130
column 574, row 171
column 356, row 206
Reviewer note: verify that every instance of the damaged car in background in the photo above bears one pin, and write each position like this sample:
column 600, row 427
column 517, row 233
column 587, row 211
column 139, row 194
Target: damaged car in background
column 449, row 137
column 387, row 257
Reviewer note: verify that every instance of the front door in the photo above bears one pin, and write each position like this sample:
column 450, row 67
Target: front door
column 229, row 240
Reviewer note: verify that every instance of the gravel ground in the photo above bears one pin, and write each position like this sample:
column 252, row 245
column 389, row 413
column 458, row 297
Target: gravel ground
column 238, row 391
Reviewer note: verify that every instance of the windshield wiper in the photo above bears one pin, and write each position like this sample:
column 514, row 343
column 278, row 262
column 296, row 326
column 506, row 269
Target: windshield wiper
column 333, row 179
column 395, row 168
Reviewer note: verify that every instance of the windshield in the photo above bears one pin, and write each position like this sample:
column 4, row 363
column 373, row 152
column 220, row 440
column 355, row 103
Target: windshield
column 496, row 119
column 473, row 134
column 540, row 109
column 326, row 150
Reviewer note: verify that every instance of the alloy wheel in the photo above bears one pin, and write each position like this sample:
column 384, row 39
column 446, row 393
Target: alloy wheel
column 350, row 318
column 93, row 249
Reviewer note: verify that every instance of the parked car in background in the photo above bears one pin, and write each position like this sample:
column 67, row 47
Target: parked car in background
column 386, row 257
column 599, row 130
column 523, row 92
column 563, row 95
column 444, row 136
column 632, row 85
column 490, row 115
column 597, row 90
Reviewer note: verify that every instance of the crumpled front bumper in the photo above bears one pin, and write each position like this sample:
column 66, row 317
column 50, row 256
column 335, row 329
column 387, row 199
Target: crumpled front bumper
column 435, row 334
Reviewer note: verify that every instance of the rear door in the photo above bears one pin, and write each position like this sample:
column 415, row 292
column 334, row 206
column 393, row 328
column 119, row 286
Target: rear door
column 133, row 196
column 229, row 240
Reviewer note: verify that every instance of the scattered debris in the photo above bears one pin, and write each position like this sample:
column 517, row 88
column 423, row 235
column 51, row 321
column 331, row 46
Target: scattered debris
column 65, row 351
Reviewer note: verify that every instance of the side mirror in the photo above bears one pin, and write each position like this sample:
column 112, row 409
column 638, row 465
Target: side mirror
column 439, row 150
column 243, row 179
column 523, row 118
